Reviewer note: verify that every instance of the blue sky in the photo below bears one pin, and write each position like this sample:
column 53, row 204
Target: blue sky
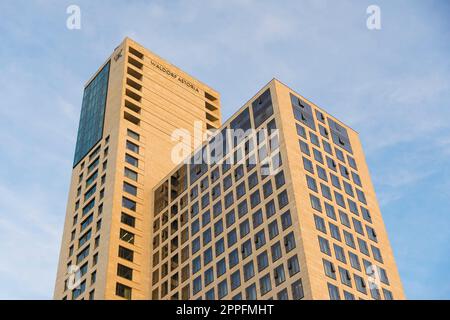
column 391, row 85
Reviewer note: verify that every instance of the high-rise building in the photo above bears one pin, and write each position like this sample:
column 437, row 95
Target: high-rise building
column 276, row 204
column 130, row 109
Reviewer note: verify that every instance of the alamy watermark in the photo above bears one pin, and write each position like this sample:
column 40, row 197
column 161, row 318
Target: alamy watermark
column 73, row 21
column 373, row 21
column 231, row 146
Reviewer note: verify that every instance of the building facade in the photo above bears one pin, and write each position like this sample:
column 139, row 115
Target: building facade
column 276, row 203
column 130, row 108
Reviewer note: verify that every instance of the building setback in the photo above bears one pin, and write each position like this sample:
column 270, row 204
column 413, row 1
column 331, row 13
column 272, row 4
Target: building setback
column 284, row 208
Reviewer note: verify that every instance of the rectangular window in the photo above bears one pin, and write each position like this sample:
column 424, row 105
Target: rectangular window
column 132, row 147
column 127, row 219
column 129, row 188
column 129, row 204
column 131, row 160
column 130, row 174
column 124, row 272
column 133, row 135
column 126, row 236
column 123, row 291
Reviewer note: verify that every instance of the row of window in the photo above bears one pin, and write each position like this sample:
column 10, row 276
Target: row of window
column 127, row 219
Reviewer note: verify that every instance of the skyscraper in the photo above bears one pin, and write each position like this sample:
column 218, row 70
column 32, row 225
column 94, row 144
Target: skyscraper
column 276, row 203
column 130, row 109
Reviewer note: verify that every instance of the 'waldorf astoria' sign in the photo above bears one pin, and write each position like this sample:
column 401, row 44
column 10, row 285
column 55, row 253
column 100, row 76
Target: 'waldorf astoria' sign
column 174, row 75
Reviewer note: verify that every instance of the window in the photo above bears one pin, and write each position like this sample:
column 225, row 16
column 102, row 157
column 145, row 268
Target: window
column 349, row 240
column 220, row 247
column 80, row 290
column 246, row 249
column 257, row 218
column 129, row 204
column 283, row 295
column 329, row 209
column 311, row 182
column 265, row 284
column 242, row 208
column 231, row 237
column 345, row 277
column 329, row 269
column 129, row 188
column 320, row 224
column 318, row 155
column 222, row 289
column 233, row 258
column 363, row 247
column 334, row 231
column 344, row 218
column 196, row 245
column 333, row 291
column 221, row 267
column 130, row 174
column 339, row 199
column 283, row 199
column 124, row 272
column 324, row 246
column 133, row 134
column 88, row 207
column 279, row 275
column 252, row 180
column 267, row 189
column 235, row 280
column 262, row 260
column 209, row 295
column 377, row 254
column 286, row 220
column 293, row 266
column 260, row 239
column 289, row 242
column 249, row 271
column 126, row 236
column 255, row 199
column 197, row 285
column 279, row 180
column 361, row 196
column 304, row 148
column 322, row 173
column 132, row 146
column 297, row 290
column 131, row 160
column 244, row 228
column 276, row 251
column 339, row 253
column 371, row 234
column 209, row 276
column 229, row 200
column 83, row 254
column 90, row 192
column 123, row 291
column 196, row 265
column 315, row 203
column 387, row 294
column 85, row 238
column 250, row 292
column 125, row 253
column 360, row 284
column 270, row 209
column 273, row 229
column 307, row 164
column 354, row 261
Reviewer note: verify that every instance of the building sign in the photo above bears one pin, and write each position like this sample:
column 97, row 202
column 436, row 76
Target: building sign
column 175, row 76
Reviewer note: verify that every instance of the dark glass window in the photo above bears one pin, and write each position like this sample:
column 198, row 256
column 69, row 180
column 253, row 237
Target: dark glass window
column 90, row 129
column 262, row 108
